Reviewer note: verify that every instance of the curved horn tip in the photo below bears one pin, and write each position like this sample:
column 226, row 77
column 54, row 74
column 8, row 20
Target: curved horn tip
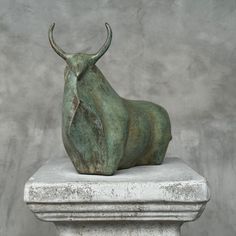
column 107, row 26
column 52, row 26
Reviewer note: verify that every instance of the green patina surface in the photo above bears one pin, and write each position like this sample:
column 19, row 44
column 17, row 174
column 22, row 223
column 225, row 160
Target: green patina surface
column 103, row 132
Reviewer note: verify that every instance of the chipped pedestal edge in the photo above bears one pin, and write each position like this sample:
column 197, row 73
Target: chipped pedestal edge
column 140, row 201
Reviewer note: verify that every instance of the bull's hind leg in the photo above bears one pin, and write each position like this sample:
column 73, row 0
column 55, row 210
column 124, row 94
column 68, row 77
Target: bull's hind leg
column 160, row 152
column 161, row 134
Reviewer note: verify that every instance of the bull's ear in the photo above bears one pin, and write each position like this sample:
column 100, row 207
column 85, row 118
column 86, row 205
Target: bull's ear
column 95, row 57
column 56, row 48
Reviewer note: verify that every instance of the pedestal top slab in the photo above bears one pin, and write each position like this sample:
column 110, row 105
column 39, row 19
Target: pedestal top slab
column 173, row 181
column 168, row 192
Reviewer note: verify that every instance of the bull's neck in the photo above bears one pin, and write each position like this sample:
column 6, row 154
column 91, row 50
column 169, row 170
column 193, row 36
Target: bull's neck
column 90, row 86
column 93, row 83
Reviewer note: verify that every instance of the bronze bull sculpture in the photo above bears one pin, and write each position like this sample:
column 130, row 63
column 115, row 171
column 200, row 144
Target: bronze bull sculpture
column 101, row 131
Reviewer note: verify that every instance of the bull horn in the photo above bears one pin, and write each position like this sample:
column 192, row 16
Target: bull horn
column 56, row 48
column 95, row 57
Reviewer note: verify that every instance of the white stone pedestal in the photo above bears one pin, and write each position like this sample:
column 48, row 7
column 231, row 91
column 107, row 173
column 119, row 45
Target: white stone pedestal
column 140, row 201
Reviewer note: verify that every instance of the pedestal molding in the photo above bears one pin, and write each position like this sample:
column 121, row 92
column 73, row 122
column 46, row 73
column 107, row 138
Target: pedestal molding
column 108, row 211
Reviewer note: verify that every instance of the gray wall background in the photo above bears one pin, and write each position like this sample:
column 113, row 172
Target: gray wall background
column 177, row 53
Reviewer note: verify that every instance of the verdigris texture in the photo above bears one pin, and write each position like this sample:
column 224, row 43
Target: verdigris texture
column 101, row 131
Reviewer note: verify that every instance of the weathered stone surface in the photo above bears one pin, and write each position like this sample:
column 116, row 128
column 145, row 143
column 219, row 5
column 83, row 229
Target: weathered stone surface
column 154, row 195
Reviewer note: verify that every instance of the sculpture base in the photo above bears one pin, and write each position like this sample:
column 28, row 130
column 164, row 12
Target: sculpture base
column 144, row 200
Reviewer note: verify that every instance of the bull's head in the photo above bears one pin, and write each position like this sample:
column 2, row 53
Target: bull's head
column 79, row 62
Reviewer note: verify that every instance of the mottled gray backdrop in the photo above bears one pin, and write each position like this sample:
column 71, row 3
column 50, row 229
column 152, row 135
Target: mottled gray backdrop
column 180, row 54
